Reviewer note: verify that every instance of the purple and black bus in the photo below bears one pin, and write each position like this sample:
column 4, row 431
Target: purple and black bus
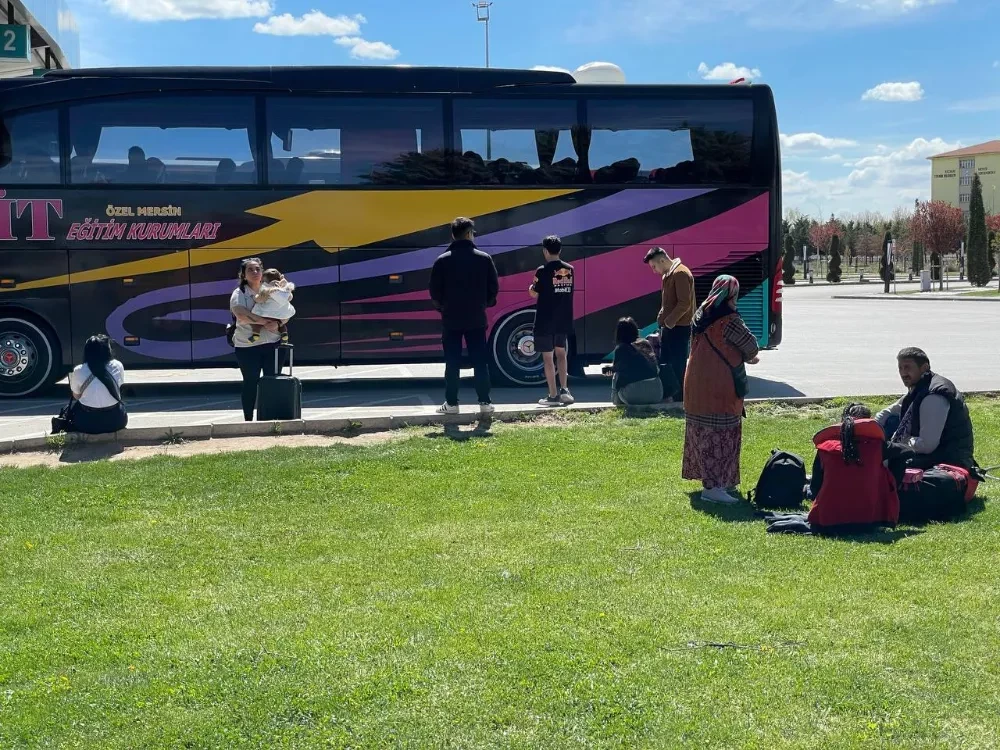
column 128, row 198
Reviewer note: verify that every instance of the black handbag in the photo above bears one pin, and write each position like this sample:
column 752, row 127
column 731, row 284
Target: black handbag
column 63, row 422
column 231, row 331
column 739, row 373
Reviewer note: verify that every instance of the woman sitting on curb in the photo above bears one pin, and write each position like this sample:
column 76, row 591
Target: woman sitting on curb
column 636, row 379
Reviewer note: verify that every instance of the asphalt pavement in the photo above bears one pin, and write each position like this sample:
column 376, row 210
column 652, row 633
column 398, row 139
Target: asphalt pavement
column 831, row 347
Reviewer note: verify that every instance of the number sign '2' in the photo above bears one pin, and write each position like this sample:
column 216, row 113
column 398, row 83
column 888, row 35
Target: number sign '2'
column 14, row 42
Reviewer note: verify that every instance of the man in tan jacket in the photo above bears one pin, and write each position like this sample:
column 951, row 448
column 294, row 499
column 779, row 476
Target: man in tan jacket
column 676, row 315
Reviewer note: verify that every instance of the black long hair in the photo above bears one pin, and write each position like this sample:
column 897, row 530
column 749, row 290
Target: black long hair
column 243, row 270
column 97, row 354
column 848, row 444
column 627, row 331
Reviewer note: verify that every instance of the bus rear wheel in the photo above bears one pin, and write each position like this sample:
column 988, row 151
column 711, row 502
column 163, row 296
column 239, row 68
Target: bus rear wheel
column 29, row 357
column 512, row 350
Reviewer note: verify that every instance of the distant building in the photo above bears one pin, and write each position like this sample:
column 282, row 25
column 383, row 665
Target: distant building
column 53, row 36
column 952, row 173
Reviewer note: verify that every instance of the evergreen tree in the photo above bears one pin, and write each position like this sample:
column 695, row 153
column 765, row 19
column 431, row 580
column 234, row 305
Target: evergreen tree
column 977, row 249
column 993, row 252
column 884, row 273
column 833, row 272
column 918, row 257
column 788, row 268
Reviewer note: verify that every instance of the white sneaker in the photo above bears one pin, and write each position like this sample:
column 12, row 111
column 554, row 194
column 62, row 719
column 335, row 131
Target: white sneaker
column 566, row 397
column 719, row 496
column 485, row 408
column 447, row 409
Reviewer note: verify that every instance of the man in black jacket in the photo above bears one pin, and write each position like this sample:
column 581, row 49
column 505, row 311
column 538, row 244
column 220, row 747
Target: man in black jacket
column 931, row 419
column 464, row 283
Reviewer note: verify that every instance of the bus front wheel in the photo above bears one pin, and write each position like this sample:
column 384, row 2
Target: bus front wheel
column 512, row 350
column 29, row 357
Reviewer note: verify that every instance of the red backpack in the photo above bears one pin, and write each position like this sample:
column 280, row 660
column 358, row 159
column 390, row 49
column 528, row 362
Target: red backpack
column 854, row 494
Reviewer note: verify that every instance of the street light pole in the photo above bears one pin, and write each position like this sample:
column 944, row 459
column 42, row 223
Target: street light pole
column 483, row 16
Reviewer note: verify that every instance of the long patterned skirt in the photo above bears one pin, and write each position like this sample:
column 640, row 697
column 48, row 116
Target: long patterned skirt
column 712, row 446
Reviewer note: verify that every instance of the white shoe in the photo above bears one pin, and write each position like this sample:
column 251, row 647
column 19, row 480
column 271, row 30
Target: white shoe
column 486, row 409
column 566, row 397
column 719, row 496
column 447, row 409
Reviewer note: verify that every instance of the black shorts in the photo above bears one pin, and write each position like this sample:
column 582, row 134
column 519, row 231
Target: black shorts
column 547, row 342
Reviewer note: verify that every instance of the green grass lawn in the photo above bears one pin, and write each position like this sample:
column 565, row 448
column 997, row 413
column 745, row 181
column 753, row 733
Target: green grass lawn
column 543, row 587
column 983, row 293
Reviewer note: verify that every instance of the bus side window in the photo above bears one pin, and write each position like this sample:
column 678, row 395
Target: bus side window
column 670, row 141
column 29, row 154
column 179, row 139
column 511, row 141
column 333, row 140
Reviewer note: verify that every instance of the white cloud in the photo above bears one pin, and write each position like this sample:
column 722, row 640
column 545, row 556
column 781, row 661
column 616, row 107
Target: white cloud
column 832, row 158
column 809, row 141
column 188, row 10
column 895, row 92
column 651, row 21
column 985, row 104
column 362, row 49
column 727, row 72
column 549, row 68
column 883, row 180
column 313, row 23
column 345, row 31
column 892, row 7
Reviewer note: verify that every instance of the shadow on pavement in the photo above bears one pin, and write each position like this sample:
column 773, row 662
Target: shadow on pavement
column 457, row 434
column 763, row 388
column 82, row 454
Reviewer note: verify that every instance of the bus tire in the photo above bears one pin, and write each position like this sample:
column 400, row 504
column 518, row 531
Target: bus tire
column 512, row 351
column 30, row 357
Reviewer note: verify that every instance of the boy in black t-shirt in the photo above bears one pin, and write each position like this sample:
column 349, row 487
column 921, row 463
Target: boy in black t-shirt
column 553, row 290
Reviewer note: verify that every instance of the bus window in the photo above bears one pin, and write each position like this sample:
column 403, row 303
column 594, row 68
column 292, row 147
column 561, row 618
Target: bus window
column 33, row 149
column 670, row 141
column 171, row 139
column 344, row 141
column 517, row 142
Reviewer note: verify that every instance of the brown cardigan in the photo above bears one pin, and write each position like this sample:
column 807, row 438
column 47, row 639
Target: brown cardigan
column 677, row 305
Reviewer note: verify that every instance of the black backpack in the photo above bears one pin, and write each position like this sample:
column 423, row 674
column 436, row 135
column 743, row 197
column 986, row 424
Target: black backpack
column 782, row 482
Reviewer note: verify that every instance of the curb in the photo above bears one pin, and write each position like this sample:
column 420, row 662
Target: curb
column 916, row 298
column 137, row 436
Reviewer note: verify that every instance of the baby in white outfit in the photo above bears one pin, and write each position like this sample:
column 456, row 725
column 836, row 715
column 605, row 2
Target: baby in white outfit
column 274, row 302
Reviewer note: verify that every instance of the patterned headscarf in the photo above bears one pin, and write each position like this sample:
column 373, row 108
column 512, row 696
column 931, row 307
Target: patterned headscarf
column 725, row 288
column 714, row 307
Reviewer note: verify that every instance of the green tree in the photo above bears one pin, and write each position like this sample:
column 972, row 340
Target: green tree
column 788, row 267
column 918, row 257
column 978, row 247
column 993, row 252
column 833, row 272
column 886, row 274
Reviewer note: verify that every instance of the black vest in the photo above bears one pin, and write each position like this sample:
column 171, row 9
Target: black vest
column 957, row 446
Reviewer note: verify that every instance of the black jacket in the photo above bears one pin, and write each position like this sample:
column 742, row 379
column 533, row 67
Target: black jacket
column 464, row 283
column 958, row 444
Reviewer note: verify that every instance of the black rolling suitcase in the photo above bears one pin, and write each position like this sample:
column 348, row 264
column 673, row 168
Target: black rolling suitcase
column 279, row 397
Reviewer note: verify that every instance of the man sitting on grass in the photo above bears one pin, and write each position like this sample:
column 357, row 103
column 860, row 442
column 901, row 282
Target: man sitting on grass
column 932, row 419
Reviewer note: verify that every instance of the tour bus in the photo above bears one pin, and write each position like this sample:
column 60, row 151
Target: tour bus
column 128, row 198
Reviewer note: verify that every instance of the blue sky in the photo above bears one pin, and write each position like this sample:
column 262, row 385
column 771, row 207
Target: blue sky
column 866, row 89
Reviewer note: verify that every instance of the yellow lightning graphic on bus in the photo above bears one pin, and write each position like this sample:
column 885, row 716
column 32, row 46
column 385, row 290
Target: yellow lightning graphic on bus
column 333, row 220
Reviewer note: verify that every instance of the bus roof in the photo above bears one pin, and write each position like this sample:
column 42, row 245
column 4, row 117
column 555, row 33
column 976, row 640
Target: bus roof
column 68, row 85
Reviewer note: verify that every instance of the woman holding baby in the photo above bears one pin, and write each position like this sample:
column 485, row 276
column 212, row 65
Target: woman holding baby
column 261, row 309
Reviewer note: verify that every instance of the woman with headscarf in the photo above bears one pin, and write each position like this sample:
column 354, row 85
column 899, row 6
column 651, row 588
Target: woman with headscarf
column 714, row 389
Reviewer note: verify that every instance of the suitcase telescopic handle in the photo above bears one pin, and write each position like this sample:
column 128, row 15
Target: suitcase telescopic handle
column 291, row 358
